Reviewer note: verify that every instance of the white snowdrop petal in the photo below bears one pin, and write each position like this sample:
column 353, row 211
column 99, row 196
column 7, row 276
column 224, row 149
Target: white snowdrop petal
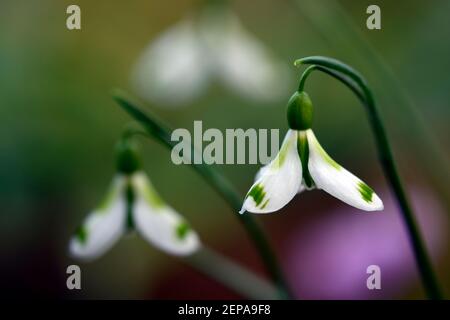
column 103, row 227
column 246, row 65
column 337, row 181
column 278, row 182
column 159, row 224
column 173, row 69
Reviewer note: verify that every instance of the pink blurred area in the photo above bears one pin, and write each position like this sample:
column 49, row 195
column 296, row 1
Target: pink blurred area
column 327, row 257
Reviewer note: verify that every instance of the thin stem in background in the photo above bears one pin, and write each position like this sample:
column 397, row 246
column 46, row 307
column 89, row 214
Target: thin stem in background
column 232, row 275
column 162, row 133
column 387, row 160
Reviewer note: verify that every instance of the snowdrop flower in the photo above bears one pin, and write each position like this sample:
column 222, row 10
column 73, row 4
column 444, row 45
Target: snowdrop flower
column 132, row 203
column 178, row 66
column 302, row 164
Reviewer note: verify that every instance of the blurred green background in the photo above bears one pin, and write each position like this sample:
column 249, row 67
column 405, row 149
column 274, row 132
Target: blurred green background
column 59, row 126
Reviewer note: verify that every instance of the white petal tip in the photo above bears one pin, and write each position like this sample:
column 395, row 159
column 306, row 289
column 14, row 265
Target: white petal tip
column 372, row 209
column 337, row 181
column 374, row 204
column 378, row 204
column 78, row 252
column 189, row 250
column 242, row 211
column 278, row 182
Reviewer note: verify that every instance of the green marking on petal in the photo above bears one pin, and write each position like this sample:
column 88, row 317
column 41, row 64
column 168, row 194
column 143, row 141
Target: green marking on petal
column 264, row 204
column 325, row 156
column 257, row 193
column 283, row 153
column 81, row 234
column 130, row 196
column 303, row 152
column 365, row 191
column 182, row 230
column 113, row 192
column 152, row 196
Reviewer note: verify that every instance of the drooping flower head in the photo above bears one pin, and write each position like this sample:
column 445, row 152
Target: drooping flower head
column 302, row 164
column 132, row 204
column 209, row 45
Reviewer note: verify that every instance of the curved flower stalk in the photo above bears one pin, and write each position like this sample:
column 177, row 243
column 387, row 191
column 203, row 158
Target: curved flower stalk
column 302, row 164
column 329, row 16
column 209, row 45
column 158, row 130
column 358, row 85
column 132, row 203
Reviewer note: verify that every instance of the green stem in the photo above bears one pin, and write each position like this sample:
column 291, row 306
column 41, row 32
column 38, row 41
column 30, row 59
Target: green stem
column 356, row 82
column 162, row 133
column 232, row 275
column 344, row 79
column 304, row 76
column 329, row 16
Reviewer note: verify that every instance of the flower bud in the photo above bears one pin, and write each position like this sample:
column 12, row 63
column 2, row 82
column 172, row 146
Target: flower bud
column 127, row 157
column 300, row 111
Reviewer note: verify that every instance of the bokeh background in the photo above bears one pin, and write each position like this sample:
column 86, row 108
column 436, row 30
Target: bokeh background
column 59, row 126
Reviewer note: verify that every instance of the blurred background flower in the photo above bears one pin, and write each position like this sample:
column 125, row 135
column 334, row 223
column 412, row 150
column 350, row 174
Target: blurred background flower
column 210, row 44
column 59, row 125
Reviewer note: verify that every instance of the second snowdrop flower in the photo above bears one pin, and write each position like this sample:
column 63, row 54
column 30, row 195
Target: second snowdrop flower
column 209, row 45
column 132, row 204
column 302, row 164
